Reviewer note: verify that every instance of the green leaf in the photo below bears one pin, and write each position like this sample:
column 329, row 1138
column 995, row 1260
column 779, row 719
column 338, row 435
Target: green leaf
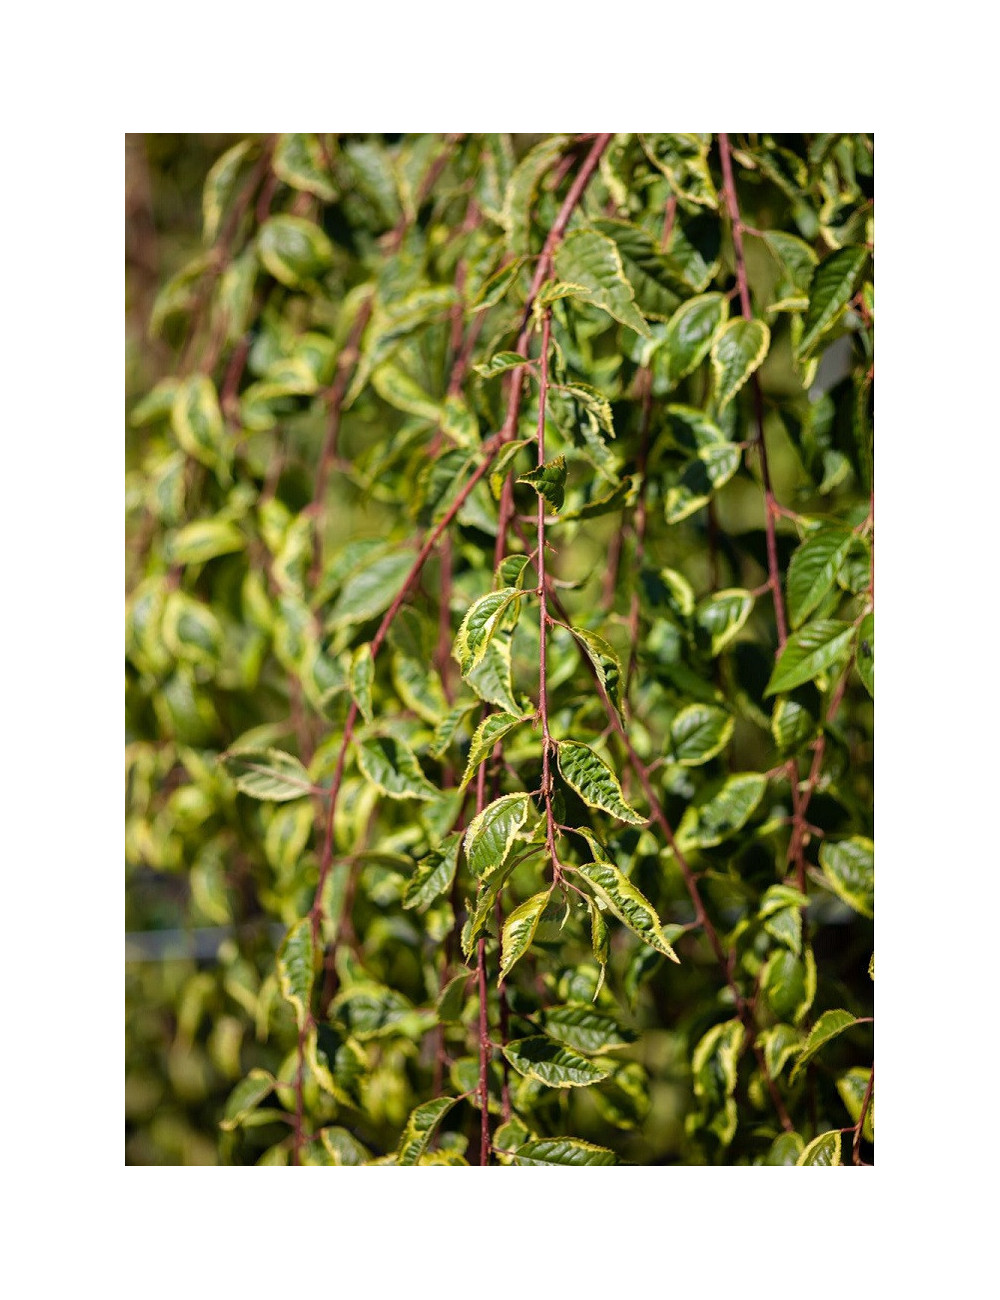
column 297, row 968
column 522, row 190
column 789, row 984
column 606, row 664
column 715, row 1060
column 557, row 1067
column 403, row 393
column 813, row 570
column 451, row 1001
column 647, row 270
column 510, row 571
column 491, row 679
column 295, row 251
column 823, row 1150
column 549, row 481
column 287, row 835
column 492, row 729
column 699, row 732
column 519, row 930
column 343, row 1147
column 721, row 810
column 852, row 1086
column 683, row 159
column 849, row 868
column 245, row 1098
column 600, row 941
column 369, row 1010
column 362, row 675
column 219, row 185
column 501, row 466
column 581, row 1027
column 593, row 261
column 205, row 539
column 197, row 421
column 491, row 833
column 190, row 630
column 179, row 296
column 689, row 335
column 791, row 724
column 337, row 1062
column 370, row 588
column 479, row 626
column 865, row 656
column 563, row 1151
column 808, row 652
column 829, row 1026
column 298, row 161
column 594, row 781
column 449, row 726
column 780, row 1043
column 631, row 907
column 421, row 1127
column 267, row 773
column 619, row 498
column 499, row 363
column 834, row 283
column 737, row 351
column 391, row 765
column 720, row 616
column 784, row 1150
column 433, row 875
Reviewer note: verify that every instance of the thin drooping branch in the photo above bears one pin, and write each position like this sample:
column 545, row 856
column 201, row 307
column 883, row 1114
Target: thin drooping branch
column 743, row 1007
column 543, row 614
column 771, row 510
column 865, row 1103
column 490, row 450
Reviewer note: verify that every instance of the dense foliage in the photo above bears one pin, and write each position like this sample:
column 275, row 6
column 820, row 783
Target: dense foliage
column 500, row 655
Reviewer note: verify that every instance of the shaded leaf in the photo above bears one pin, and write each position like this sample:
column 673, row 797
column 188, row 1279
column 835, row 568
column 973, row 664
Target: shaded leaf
column 849, row 868
column 721, row 810
column 557, row 1067
column 392, row 766
column 499, row 363
column 585, row 1029
column 433, row 874
column 297, row 967
column 245, row 1098
column 370, row 588
column 420, row 1128
column 295, row 251
column 362, row 675
column 267, row 773
column 699, row 732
